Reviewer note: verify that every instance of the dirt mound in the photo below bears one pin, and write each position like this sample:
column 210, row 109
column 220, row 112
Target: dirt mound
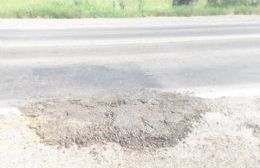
column 135, row 120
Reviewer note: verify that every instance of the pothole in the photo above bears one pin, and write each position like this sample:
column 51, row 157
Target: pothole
column 139, row 119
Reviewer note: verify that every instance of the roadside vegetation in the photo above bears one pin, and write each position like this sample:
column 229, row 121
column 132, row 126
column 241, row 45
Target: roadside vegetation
column 124, row 8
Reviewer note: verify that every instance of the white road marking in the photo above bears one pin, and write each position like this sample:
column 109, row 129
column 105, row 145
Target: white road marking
column 237, row 90
column 64, row 43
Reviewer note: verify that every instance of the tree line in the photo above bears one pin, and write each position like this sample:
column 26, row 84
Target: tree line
column 218, row 2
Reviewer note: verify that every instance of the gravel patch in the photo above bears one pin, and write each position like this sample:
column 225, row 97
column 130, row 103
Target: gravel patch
column 137, row 119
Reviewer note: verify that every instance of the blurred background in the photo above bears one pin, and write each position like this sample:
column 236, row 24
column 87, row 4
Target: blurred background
column 124, row 8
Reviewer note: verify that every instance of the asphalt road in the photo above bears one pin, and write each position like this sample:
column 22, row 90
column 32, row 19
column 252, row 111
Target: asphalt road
column 210, row 56
column 45, row 58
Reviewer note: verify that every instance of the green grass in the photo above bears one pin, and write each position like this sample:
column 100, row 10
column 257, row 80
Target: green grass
column 106, row 8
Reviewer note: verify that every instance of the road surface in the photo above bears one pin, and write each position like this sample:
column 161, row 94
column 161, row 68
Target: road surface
column 48, row 57
column 211, row 57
